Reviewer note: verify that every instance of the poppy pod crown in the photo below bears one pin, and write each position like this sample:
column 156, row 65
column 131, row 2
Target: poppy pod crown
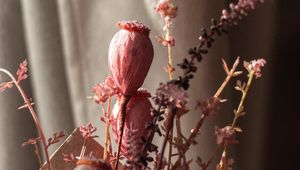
column 130, row 56
column 134, row 26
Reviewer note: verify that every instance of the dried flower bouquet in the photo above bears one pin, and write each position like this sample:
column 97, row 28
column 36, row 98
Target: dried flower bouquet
column 134, row 118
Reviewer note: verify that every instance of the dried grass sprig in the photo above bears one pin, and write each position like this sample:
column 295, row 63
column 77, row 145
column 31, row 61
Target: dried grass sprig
column 22, row 74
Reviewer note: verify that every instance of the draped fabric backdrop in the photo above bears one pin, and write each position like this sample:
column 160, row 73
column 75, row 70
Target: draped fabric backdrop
column 66, row 43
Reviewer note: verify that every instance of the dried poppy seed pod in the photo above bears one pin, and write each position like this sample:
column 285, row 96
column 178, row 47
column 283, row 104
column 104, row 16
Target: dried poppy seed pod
column 138, row 114
column 130, row 56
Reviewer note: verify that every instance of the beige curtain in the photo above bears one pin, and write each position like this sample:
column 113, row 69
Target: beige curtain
column 66, row 42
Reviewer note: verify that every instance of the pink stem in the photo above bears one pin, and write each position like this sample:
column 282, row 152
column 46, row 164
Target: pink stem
column 33, row 114
column 122, row 117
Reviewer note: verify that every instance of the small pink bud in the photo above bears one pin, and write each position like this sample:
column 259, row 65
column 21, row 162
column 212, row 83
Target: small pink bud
column 138, row 114
column 130, row 56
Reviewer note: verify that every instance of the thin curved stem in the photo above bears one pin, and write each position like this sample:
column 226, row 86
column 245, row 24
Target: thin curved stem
column 33, row 114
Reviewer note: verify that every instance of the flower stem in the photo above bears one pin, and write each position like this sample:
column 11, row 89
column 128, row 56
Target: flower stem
column 227, row 79
column 199, row 124
column 107, row 135
column 122, row 116
column 33, row 114
column 37, row 152
column 241, row 105
column 179, row 135
column 170, row 149
column 239, row 110
column 170, row 56
column 212, row 157
column 170, row 71
column 169, row 127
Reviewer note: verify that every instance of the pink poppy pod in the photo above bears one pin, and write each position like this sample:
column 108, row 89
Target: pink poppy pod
column 130, row 56
column 138, row 114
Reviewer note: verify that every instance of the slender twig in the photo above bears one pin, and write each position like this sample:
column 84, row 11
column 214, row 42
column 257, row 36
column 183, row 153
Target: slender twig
column 124, row 101
column 241, row 105
column 230, row 74
column 180, row 142
column 218, row 148
column 170, row 66
column 199, row 124
column 33, row 114
column 37, row 152
column 169, row 127
column 239, row 109
column 170, row 150
column 107, row 135
column 170, row 70
column 217, row 94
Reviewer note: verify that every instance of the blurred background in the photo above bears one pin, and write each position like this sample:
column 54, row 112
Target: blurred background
column 66, row 43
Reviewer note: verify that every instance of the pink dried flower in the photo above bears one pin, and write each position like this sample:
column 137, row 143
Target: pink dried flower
column 87, row 131
column 255, row 66
column 111, row 86
column 105, row 89
column 100, row 93
column 209, row 106
column 239, row 9
column 138, row 114
column 22, row 71
column 130, row 56
column 174, row 93
column 166, row 9
column 225, row 135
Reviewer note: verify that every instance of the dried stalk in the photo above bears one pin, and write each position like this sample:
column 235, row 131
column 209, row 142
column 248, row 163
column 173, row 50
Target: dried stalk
column 230, row 74
column 33, row 114
column 237, row 114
